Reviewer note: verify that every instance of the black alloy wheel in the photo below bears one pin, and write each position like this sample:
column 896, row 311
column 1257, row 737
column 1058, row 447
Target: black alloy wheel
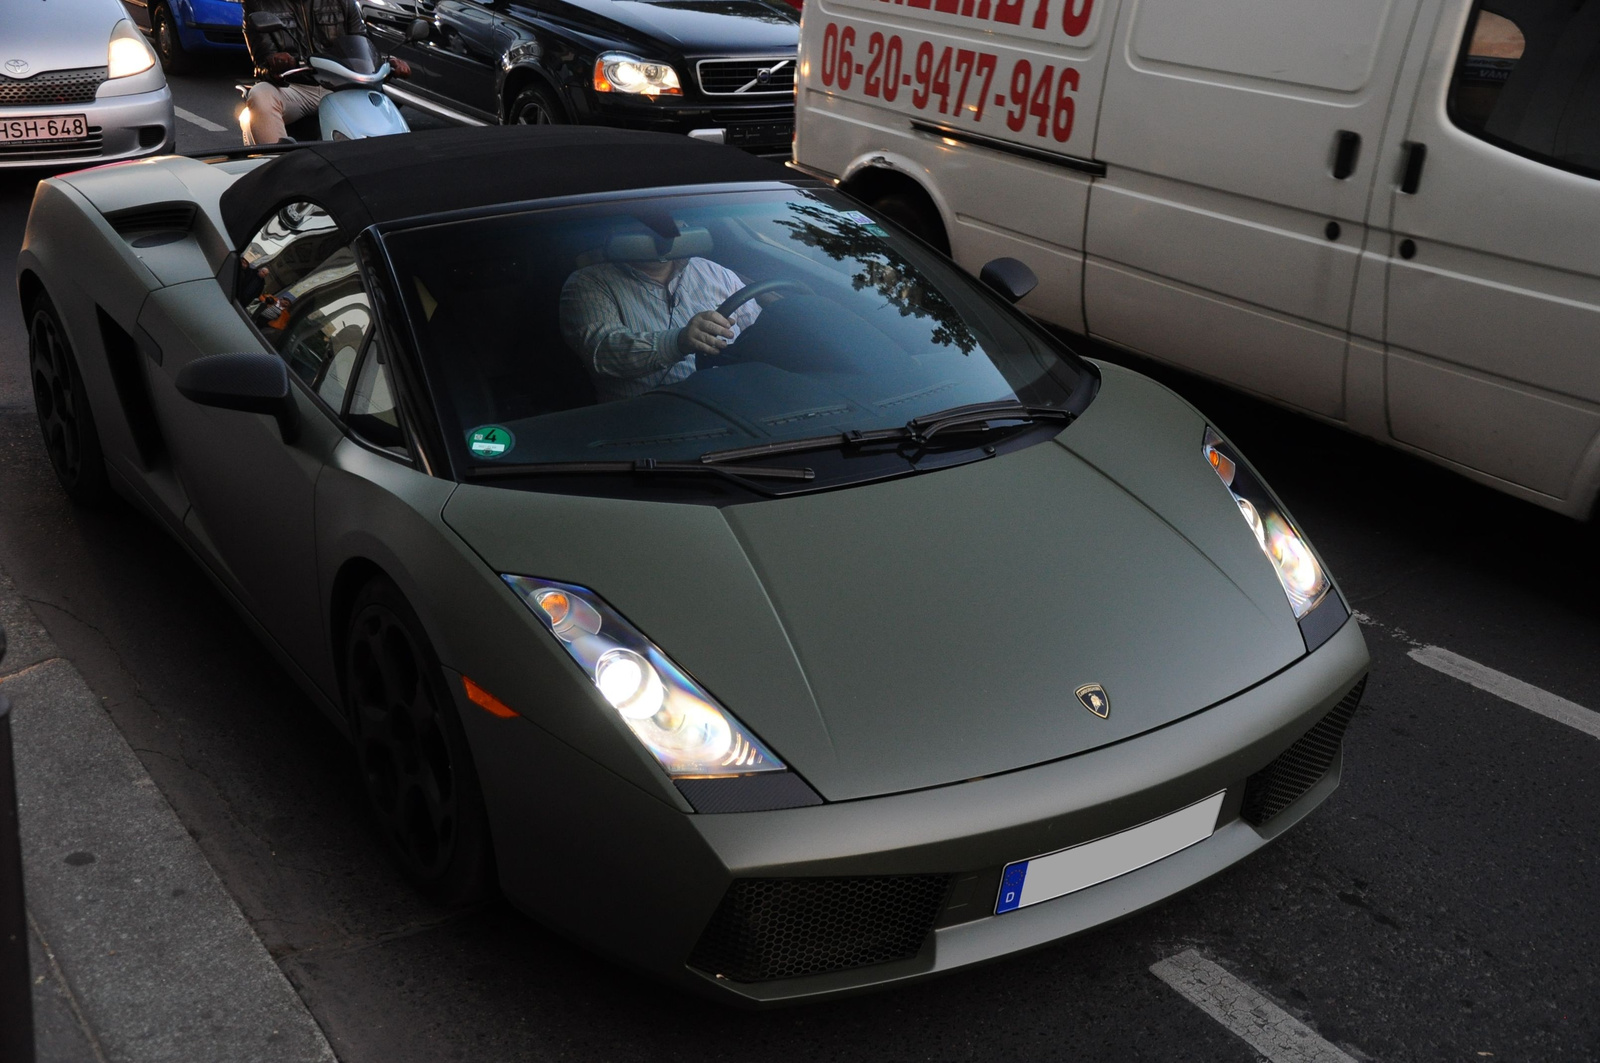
column 411, row 750
column 535, row 106
column 70, row 437
column 169, row 46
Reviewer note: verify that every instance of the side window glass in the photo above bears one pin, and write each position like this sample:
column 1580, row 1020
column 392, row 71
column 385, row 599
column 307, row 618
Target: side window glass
column 1529, row 80
column 300, row 284
column 372, row 413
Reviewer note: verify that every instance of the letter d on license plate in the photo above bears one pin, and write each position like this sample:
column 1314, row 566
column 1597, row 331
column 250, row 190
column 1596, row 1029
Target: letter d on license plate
column 1045, row 878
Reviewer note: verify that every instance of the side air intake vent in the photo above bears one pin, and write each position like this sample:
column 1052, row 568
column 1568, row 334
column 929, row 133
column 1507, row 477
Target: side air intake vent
column 1297, row 769
column 152, row 217
column 771, row 928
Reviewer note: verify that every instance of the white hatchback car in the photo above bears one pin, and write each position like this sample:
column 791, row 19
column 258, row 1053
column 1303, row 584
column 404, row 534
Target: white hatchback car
column 78, row 84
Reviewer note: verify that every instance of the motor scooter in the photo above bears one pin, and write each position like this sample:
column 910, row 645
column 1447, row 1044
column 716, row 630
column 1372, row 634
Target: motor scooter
column 354, row 72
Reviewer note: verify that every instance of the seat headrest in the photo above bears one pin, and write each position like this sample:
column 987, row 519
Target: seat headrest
column 648, row 247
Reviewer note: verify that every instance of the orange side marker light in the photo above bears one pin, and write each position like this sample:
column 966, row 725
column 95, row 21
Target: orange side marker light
column 487, row 701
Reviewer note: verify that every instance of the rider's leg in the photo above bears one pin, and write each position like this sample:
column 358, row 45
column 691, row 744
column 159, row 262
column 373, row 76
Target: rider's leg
column 271, row 107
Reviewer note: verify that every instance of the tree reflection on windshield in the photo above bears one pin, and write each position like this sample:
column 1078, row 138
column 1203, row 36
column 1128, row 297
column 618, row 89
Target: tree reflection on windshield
column 841, row 237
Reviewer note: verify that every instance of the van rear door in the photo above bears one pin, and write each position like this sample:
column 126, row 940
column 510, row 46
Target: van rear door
column 1493, row 316
column 1239, row 139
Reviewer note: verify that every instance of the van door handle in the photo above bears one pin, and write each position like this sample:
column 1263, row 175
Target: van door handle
column 1411, row 180
column 1348, row 146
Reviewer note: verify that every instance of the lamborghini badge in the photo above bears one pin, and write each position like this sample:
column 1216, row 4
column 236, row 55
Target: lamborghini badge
column 1093, row 697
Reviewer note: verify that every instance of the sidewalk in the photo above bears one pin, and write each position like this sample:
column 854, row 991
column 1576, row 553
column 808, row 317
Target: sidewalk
column 138, row 952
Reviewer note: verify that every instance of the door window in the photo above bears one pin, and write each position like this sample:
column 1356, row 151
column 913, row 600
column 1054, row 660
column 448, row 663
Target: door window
column 300, row 284
column 1529, row 80
column 372, row 413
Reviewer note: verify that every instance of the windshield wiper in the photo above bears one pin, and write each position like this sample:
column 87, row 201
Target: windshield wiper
column 975, row 417
column 641, row 467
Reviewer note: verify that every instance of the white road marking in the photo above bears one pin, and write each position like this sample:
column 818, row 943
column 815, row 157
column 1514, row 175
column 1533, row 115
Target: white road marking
column 1245, row 1013
column 1512, row 689
column 204, row 123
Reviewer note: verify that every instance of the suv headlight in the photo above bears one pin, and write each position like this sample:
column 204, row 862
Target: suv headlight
column 128, row 54
column 1302, row 577
column 618, row 72
column 682, row 725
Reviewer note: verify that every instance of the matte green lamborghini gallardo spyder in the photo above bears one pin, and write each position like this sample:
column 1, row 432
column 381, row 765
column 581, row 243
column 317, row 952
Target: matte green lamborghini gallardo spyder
column 687, row 552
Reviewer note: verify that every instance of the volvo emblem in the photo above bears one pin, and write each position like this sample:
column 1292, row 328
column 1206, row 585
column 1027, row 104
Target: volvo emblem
column 16, row 67
column 1093, row 697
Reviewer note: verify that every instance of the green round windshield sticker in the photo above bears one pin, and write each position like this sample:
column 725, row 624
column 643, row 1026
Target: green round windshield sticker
column 490, row 441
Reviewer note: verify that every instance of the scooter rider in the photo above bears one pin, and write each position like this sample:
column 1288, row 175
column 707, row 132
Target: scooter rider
column 308, row 25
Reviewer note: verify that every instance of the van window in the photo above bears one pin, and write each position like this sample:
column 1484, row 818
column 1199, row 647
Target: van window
column 1529, row 80
column 1299, row 42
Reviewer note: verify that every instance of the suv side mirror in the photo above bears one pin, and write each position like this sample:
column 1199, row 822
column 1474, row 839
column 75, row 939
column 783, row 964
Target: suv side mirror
column 254, row 383
column 1010, row 277
column 419, row 31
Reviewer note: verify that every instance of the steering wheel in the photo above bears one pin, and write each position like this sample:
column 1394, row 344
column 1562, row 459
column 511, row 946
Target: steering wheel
column 750, row 291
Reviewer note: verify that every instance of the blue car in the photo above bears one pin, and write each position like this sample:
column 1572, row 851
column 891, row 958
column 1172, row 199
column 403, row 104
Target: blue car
column 182, row 29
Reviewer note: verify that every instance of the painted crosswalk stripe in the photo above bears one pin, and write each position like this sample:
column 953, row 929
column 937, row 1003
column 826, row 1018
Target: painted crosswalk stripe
column 204, row 123
column 1512, row 689
column 1245, row 1013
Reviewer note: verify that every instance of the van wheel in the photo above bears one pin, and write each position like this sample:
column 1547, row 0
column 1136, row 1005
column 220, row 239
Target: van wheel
column 918, row 218
column 169, row 46
column 535, row 106
column 412, row 752
column 59, row 398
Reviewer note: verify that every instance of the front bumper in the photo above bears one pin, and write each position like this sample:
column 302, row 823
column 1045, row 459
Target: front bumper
column 763, row 128
column 640, row 879
column 120, row 127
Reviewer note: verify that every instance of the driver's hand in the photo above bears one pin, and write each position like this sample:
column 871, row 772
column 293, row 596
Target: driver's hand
column 278, row 62
column 706, row 333
column 401, row 68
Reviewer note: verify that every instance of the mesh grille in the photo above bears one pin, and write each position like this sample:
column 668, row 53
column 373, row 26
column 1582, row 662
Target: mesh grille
column 771, row 928
column 1275, row 787
column 86, row 148
column 730, row 77
column 53, row 86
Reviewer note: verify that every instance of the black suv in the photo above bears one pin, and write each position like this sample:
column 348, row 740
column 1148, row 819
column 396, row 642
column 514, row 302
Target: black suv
column 720, row 70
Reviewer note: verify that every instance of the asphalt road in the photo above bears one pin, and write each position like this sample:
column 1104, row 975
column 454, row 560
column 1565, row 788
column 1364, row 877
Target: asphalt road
column 1441, row 906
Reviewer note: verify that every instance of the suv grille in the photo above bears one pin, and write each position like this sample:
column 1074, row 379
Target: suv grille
column 1276, row 786
column 771, row 928
column 53, row 86
column 743, row 77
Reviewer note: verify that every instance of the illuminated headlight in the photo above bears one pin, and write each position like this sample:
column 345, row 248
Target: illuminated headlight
column 1303, row 580
column 683, row 726
column 616, row 72
column 128, row 53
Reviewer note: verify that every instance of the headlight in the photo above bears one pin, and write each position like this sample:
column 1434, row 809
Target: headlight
column 689, row 733
column 616, row 72
column 128, row 54
column 1303, row 579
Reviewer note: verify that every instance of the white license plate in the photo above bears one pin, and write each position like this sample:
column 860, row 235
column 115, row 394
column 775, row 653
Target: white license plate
column 1057, row 874
column 44, row 127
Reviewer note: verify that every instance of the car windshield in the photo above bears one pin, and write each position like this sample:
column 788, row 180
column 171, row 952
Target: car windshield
column 667, row 328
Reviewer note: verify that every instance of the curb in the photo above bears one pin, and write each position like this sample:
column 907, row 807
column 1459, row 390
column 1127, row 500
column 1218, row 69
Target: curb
column 139, row 952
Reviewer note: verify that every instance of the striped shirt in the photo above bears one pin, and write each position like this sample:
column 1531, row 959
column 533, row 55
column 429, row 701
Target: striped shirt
column 625, row 326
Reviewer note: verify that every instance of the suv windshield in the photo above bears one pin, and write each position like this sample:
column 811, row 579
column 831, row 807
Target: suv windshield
column 668, row 328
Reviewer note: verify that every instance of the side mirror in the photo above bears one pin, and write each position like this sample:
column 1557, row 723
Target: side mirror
column 419, row 31
column 253, row 383
column 1010, row 277
column 264, row 20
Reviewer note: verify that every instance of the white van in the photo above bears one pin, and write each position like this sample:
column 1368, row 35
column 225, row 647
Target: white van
column 1385, row 213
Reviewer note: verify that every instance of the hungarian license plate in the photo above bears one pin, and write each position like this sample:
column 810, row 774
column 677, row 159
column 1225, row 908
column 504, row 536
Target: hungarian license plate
column 43, row 127
column 1045, row 878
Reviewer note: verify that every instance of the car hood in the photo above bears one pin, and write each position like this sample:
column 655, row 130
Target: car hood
column 935, row 629
column 700, row 28
column 56, row 35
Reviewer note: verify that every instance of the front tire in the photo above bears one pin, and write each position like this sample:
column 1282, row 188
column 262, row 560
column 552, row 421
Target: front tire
column 62, row 404
column 535, row 105
column 169, row 46
column 412, row 753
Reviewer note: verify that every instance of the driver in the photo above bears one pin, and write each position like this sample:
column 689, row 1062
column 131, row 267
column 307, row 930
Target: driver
column 638, row 325
column 273, row 102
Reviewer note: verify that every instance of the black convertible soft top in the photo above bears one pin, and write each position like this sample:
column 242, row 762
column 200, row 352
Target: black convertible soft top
column 362, row 182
